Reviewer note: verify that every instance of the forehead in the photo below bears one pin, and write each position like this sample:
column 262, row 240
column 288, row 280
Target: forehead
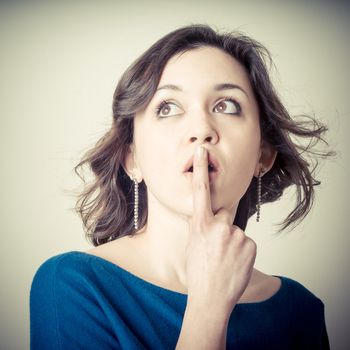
column 202, row 67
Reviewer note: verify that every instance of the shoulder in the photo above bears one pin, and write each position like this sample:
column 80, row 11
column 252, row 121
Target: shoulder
column 306, row 315
column 63, row 272
column 301, row 301
column 69, row 279
column 297, row 291
column 73, row 261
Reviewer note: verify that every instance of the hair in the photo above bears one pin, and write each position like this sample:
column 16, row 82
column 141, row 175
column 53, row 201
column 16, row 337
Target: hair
column 106, row 203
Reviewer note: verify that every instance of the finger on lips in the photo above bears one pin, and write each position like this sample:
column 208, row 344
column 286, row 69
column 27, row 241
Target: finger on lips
column 200, row 182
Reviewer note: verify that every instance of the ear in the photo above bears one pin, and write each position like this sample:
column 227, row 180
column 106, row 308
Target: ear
column 267, row 158
column 130, row 165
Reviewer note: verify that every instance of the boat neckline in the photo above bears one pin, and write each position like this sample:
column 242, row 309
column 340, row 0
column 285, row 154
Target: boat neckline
column 277, row 294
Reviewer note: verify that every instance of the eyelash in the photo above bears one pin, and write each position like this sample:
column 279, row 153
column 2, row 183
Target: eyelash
column 165, row 102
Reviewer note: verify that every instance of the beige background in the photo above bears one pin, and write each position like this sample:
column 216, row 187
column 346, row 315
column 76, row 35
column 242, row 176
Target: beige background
column 59, row 66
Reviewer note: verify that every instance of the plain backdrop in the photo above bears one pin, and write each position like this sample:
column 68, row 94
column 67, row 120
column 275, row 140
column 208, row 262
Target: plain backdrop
column 60, row 63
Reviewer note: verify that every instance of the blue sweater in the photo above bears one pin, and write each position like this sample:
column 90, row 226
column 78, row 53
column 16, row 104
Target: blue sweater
column 81, row 301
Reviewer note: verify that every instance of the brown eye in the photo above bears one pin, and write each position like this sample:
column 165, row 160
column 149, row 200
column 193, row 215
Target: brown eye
column 221, row 107
column 228, row 106
column 164, row 109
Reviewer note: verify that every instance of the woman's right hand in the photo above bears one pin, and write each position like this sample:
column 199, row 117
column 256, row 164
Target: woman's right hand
column 219, row 256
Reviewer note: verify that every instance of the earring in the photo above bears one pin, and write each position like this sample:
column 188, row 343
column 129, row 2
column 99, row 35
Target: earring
column 261, row 172
column 136, row 203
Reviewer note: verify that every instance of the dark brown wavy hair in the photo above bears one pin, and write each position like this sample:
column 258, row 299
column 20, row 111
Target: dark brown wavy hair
column 106, row 203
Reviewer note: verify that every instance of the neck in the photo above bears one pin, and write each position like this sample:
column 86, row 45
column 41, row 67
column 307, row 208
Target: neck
column 164, row 239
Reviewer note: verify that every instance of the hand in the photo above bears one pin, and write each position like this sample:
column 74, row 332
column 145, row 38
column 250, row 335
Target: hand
column 219, row 256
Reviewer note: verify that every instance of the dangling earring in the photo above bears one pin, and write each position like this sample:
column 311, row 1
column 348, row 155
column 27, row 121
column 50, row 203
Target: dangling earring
column 136, row 203
column 261, row 172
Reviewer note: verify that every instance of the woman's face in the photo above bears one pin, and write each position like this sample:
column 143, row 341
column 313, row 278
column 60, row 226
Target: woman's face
column 199, row 110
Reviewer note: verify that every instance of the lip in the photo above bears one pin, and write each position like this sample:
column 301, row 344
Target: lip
column 211, row 159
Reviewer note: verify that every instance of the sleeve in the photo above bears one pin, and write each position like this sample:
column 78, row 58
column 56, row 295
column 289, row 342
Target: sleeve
column 64, row 312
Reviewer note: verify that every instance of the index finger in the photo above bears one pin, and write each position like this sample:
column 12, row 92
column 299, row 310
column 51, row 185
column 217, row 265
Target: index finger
column 201, row 187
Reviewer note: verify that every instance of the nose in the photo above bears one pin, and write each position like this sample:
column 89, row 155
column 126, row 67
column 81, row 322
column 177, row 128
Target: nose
column 202, row 131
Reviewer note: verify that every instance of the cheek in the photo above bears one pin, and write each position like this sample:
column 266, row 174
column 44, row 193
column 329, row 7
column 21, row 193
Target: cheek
column 245, row 147
column 244, row 157
column 157, row 160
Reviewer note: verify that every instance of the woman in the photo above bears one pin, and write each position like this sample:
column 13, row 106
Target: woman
column 199, row 141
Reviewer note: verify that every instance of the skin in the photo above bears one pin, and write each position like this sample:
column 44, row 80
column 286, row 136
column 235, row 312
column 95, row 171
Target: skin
column 162, row 147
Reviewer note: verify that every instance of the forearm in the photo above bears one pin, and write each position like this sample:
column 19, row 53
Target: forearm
column 203, row 328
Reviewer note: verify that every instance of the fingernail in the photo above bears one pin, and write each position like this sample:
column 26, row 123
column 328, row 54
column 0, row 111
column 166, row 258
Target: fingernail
column 200, row 152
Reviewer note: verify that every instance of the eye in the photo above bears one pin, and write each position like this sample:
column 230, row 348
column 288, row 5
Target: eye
column 228, row 106
column 164, row 109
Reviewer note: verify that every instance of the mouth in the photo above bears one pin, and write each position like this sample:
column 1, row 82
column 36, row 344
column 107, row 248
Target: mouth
column 213, row 167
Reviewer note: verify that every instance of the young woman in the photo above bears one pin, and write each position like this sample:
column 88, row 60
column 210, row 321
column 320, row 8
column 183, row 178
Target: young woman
column 199, row 141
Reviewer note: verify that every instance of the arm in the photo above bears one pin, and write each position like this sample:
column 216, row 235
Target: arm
column 219, row 265
column 203, row 328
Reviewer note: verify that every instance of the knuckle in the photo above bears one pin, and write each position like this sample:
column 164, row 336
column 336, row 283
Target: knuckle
column 239, row 234
column 225, row 229
column 251, row 244
column 224, row 215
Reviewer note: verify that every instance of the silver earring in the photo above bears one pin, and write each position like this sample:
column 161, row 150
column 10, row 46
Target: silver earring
column 261, row 172
column 136, row 203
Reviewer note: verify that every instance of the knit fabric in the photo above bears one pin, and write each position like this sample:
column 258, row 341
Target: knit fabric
column 81, row 301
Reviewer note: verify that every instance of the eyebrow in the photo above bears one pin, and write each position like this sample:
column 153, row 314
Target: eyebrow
column 218, row 87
